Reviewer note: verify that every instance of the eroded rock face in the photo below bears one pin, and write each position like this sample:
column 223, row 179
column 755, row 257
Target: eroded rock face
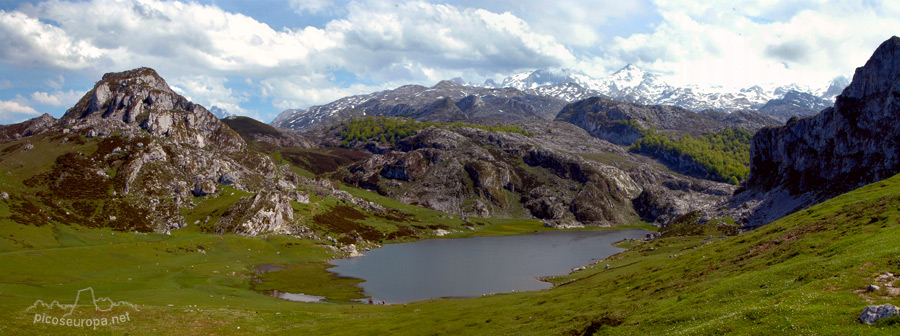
column 156, row 152
column 617, row 121
column 852, row 144
column 27, row 128
column 139, row 97
column 480, row 173
column 267, row 212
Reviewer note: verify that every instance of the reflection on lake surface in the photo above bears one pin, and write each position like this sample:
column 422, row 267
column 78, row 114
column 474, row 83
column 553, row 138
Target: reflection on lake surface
column 471, row 267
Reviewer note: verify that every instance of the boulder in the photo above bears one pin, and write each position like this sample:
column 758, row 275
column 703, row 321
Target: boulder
column 874, row 313
column 204, row 188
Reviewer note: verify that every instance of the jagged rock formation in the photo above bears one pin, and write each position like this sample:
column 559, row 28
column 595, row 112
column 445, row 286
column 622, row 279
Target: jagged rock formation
column 635, row 85
column 794, row 104
column 141, row 100
column 156, row 153
column 446, row 101
column 620, row 122
column 27, row 128
column 554, row 178
column 811, row 159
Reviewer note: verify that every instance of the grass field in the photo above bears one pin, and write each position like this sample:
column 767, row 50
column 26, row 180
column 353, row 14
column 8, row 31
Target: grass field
column 803, row 275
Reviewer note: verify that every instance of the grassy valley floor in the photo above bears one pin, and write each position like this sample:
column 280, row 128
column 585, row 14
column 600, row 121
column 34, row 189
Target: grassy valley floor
column 803, row 275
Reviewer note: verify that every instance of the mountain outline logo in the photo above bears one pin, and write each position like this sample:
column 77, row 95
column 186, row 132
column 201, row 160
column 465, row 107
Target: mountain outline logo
column 93, row 300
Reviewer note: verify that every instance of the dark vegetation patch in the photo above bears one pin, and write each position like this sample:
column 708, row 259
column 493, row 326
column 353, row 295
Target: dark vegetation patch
column 245, row 126
column 72, row 177
column 402, row 231
column 322, row 161
column 596, row 326
column 14, row 147
column 340, row 220
column 387, row 130
column 688, row 225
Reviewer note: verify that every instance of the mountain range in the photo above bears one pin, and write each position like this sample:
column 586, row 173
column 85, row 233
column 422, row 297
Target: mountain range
column 540, row 94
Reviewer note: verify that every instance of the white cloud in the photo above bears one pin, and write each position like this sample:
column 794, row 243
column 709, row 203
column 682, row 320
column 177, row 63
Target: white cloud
column 57, row 98
column 378, row 41
column 209, row 91
column 11, row 111
column 302, row 91
column 311, row 6
column 27, row 41
column 740, row 43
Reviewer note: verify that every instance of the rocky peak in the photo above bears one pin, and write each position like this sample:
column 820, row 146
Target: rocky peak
column 27, row 128
column 854, row 143
column 880, row 74
column 139, row 99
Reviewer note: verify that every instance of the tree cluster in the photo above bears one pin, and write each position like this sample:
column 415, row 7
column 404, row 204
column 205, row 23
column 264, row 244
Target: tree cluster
column 725, row 154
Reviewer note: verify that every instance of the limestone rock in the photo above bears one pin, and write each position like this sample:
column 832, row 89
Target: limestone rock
column 854, row 143
column 204, row 188
column 871, row 314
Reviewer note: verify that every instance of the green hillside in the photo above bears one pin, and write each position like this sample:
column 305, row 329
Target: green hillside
column 802, row 275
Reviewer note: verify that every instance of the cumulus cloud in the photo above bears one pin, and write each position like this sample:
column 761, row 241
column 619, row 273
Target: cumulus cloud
column 210, row 91
column 56, row 98
column 12, row 111
column 385, row 44
column 27, row 41
column 380, row 41
column 740, row 43
column 301, row 91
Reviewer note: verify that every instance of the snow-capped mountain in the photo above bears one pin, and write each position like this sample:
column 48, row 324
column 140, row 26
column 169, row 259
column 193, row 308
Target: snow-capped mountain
column 220, row 112
column 636, row 85
column 447, row 101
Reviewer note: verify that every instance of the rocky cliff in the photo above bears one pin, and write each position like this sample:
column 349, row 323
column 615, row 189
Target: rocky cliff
column 851, row 144
column 27, row 128
column 446, row 101
column 132, row 154
column 560, row 174
column 620, row 122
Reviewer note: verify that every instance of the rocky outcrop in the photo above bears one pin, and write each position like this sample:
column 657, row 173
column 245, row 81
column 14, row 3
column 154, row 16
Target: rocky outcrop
column 267, row 212
column 854, row 143
column 447, row 101
column 872, row 314
column 139, row 99
column 27, row 128
column 620, row 122
column 545, row 176
column 152, row 154
column 794, row 104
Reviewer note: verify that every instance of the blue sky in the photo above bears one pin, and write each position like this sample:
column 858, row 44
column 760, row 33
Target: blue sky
column 258, row 58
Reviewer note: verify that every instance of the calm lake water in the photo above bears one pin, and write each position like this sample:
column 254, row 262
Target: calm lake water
column 471, row 267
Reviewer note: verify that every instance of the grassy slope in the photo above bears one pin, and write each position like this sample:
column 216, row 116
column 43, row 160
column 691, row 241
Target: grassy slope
column 805, row 274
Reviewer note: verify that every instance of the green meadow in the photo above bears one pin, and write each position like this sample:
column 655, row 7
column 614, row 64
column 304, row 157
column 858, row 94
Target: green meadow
column 805, row 274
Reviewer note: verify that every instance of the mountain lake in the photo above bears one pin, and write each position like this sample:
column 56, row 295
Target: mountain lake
column 472, row 267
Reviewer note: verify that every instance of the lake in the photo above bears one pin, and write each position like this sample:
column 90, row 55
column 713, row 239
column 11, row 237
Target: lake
column 471, row 267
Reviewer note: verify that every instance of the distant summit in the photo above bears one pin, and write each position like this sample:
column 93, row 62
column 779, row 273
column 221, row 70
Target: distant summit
column 220, row 112
column 633, row 84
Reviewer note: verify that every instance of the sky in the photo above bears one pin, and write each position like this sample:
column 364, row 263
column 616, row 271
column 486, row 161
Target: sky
column 258, row 58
